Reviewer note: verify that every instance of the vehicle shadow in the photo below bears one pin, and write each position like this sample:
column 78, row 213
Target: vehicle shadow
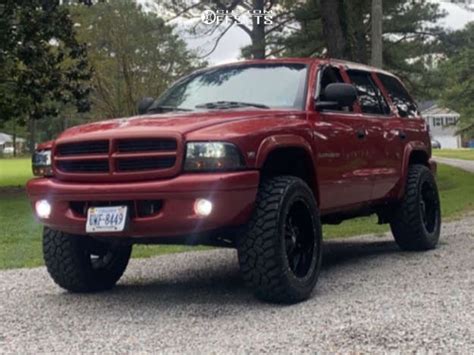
column 336, row 253
column 219, row 281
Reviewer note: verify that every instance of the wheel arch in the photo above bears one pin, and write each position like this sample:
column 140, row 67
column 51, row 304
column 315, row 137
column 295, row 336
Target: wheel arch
column 414, row 154
column 288, row 155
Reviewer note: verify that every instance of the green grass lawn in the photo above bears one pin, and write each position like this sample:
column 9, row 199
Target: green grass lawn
column 15, row 171
column 20, row 235
column 466, row 154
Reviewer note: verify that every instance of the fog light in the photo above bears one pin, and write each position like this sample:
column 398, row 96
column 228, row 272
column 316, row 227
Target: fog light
column 43, row 208
column 203, row 207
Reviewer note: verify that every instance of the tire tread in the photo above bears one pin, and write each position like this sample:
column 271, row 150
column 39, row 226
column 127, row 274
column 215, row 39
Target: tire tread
column 259, row 252
column 406, row 226
column 66, row 262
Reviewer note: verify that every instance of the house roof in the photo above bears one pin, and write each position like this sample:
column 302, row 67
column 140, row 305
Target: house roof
column 7, row 138
column 431, row 108
column 424, row 105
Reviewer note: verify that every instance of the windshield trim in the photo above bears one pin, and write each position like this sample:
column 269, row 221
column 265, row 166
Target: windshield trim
column 301, row 93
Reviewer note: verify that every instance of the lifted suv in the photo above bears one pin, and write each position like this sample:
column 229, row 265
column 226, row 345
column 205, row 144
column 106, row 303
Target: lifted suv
column 253, row 155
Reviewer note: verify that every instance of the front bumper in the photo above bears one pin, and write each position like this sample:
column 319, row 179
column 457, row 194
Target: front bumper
column 233, row 195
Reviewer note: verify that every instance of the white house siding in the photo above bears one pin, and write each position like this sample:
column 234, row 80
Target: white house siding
column 448, row 142
column 443, row 126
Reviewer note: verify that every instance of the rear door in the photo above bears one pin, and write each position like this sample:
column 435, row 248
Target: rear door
column 405, row 126
column 382, row 137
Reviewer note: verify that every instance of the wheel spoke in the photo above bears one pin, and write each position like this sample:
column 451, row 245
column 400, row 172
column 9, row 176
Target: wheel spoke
column 299, row 239
column 290, row 247
column 423, row 210
column 296, row 260
column 302, row 259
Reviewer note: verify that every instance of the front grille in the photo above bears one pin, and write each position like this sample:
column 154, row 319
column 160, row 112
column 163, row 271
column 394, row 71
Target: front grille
column 84, row 166
column 146, row 145
column 141, row 164
column 115, row 159
column 83, row 148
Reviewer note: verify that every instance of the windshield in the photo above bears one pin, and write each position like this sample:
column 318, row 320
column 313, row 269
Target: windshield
column 256, row 85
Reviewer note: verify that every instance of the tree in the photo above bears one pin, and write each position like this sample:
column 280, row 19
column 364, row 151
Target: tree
column 341, row 29
column 261, row 32
column 453, row 81
column 377, row 42
column 133, row 54
column 42, row 65
column 333, row 28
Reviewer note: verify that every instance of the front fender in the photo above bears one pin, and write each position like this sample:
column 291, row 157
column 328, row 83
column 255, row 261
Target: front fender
column 274, row 142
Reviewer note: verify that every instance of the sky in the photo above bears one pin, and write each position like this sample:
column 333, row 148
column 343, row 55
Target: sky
column 457, row 17
column 228, row 49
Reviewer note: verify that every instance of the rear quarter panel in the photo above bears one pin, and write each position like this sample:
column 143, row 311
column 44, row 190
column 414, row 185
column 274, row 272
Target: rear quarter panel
column 418, row 142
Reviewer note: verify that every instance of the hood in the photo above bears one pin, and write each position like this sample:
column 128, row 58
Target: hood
column 174, row 123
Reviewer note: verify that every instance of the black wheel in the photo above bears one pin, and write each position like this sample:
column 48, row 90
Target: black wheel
column 280, row 257
column 417, row 221
column 81, row 264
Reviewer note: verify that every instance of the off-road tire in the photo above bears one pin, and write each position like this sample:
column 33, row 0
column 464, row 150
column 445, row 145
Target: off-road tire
column 411, row 227
column 262, row 252
column 68, row 260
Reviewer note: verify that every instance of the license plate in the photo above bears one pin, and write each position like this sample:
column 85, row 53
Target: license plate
column 106, row 219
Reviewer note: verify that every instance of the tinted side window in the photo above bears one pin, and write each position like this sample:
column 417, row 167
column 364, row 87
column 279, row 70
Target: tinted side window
column 400, row 97
column 330, row 75
column 369, row 95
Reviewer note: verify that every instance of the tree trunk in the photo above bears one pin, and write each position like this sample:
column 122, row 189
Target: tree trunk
column 332, row 29
column 356, row 39
column 258, row 32
column 14, row 137
column 377, row 14
column 32, row 129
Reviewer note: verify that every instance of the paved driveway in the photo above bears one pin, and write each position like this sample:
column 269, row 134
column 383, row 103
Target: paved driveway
column 467, row 165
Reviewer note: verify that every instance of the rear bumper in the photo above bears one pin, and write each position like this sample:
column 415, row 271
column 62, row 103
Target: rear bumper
column 233, row 195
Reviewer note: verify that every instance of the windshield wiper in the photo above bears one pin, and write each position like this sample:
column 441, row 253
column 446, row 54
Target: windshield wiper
column 229, row 105
column 150, row 105
column 160, row 109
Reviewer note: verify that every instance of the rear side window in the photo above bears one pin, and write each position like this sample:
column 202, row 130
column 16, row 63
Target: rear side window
column 400, row 97
column 369, row 95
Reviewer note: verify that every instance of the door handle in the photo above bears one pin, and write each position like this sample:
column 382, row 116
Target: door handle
column 361, row 133
column 402, row 134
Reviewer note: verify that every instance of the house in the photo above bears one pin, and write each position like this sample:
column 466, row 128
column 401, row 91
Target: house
column 443, row 124
column 6, row 143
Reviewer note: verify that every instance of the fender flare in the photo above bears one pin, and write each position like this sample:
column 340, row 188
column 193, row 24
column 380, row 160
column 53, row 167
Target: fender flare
column 274, row 142
column 281, row 141
column 410, row 149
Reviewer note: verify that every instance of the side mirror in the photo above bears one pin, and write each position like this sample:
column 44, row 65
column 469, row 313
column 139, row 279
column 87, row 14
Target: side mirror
column 338, row 95
column 144, row 104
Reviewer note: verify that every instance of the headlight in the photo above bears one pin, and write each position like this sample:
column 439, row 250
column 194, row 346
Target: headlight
column 41, row 163
column 211, row 156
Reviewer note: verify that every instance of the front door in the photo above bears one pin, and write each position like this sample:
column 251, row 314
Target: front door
column 342, row 152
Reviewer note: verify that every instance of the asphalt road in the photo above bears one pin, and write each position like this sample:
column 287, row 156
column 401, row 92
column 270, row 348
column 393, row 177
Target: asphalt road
column 467, row 165
column 370, row 297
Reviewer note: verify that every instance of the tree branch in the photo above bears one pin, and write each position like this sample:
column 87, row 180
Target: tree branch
column 183, row 11
column 216, row 43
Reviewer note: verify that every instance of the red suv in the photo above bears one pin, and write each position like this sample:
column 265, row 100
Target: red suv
column 254, row 155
